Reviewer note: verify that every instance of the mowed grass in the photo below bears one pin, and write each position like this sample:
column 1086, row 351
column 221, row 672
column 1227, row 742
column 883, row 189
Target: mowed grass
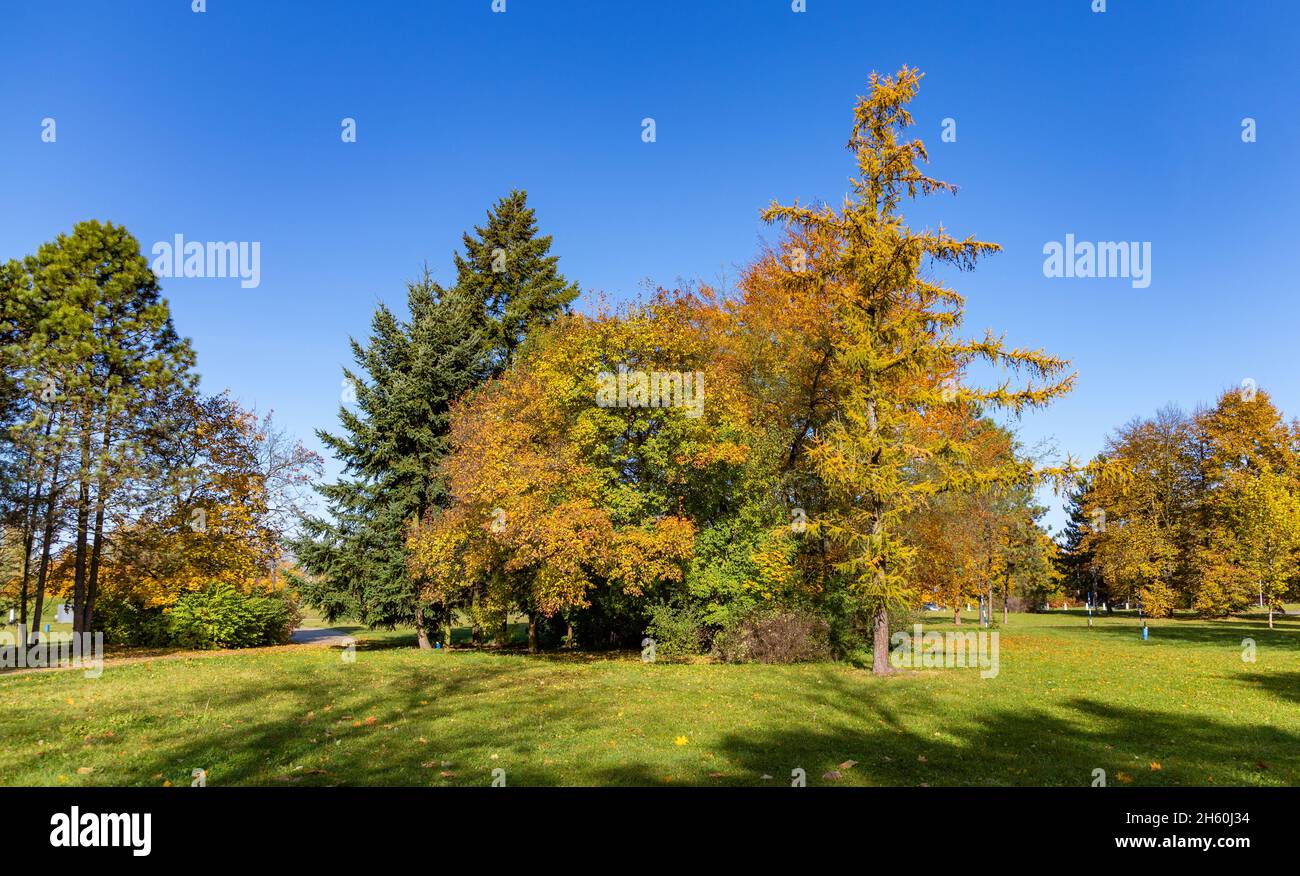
column 1183, row 708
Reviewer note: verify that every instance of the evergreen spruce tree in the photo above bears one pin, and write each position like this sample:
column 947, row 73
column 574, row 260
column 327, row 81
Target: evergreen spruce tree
column 508, row 273
column 404, row 383
column 406, row 378
column 1076, row 561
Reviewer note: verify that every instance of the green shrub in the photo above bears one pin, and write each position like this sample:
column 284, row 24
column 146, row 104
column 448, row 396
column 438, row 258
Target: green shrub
column 128, row 622
column 224, row 617
column 678, row 632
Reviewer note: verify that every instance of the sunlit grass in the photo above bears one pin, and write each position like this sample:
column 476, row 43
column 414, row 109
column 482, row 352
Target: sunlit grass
column 1180, row 709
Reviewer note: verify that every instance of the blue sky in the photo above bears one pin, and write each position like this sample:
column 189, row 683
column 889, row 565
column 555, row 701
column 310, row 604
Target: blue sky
column 225, row 125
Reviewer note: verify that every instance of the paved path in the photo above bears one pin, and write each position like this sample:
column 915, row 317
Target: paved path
column 312, row 636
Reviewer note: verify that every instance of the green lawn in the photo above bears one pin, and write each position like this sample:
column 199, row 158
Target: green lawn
column 1180, row 709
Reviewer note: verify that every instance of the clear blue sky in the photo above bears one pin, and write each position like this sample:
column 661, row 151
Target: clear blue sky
column 1117, row 126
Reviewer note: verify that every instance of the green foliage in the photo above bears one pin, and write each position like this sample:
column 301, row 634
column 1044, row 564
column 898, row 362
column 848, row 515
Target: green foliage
column 223, row 617
column 406, row 379
column 391, row 446
column 678, row 631
column 509, row 279
column 89, row 356
column 129, row 622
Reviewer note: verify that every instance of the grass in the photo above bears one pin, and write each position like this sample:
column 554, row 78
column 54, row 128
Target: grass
column 1180, row 709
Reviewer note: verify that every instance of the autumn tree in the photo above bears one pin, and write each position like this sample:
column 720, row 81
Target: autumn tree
column 560, row 490
column 1204, row 517
column 202, row 514
column 1264, row 511
column 404, row 383
column 896, row 343
column 1248, row 477
column 1137, row 526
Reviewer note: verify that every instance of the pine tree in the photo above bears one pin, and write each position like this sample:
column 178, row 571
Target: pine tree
column 1077, row 562
column 91, row 344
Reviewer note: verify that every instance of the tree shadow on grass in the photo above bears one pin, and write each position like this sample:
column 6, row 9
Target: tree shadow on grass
column 310, row 719
column 371, row 734
column 1000, row 747
column 1202, row 632
column 1283, row 685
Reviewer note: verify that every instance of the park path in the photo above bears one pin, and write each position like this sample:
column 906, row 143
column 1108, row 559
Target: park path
column 320, row 636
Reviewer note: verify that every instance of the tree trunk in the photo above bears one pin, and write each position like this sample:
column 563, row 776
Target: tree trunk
column 880, row 644
column 1270, row 617
column 956, row 615
column 33, row 512
column 43, row 575
column 92, row 576
column 82, row 533
column 47, row 542
column 97, row 545
column 421, row 632
column 477, row 635
column 532, row 632
column 29, row 541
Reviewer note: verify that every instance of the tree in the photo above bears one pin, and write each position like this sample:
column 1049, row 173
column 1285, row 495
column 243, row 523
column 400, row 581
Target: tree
column 405, row 382
column 509, row 280
column 94, row 350
column 202, row 514
column 391, row 446
column 1248, row 477
column 1204, row 516
column 1137, row 527
column 1265, row 511
column 560, row 492
column 894, row 347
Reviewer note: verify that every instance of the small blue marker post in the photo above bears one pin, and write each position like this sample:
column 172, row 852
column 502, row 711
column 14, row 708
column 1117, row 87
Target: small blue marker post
column 1144, row 632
